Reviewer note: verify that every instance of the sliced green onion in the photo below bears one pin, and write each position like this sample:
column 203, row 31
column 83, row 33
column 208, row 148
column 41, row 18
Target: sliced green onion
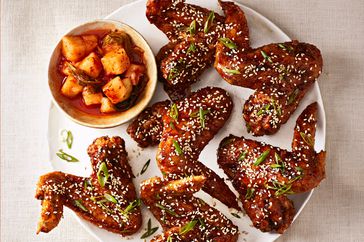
column 230, row 71
column 67, row 157
column 187, row 227
column 228, row 43
column 242, row 155
column 67, row 137
column 308, row 140
column 266, row 56
column 293, row 96
column 170, row 211
column 172, row 125
column 202, row 114
column 79, row 204
column 283, row 190
column 249, row 193
column 173, row 113
column 169, row 239
column 202, row 222
column 298, row 169
column 262, row 157
column 145, row 167
column 236, row 215
column 264, row 109
column 131, row 206
column 282, row 46
column 192, row 28
column 208, row 22
column 177, row 148
column 87, row 185
column 172, row 73
column 110, row 198
column 191, row 48
column 276, row 166
column 150, row 230
column 102, row 174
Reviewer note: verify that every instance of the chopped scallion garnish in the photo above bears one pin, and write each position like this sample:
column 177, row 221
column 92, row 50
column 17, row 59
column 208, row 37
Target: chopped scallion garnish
column 131, row 206
column 172, row 73
column 187, row 227
column 67, row 137
column 102, row 174
column 177, row 147
column 293, row 96
column 308, row 140
column 192, row 28
column 202, row 114
column 230, row 71
column 208, row 22
column 173, row 113
column 67, row 157
column 110, row 198
column 145, row 167
column 170, row 211
column 150, row 230
column 249, row 193
column 79, row 204
column 266, row 56
column 228, row 43
column 262, row 157
column 242, row 155
column 191, row 48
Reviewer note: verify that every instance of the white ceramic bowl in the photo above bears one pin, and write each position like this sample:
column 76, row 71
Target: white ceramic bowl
column 109, row 120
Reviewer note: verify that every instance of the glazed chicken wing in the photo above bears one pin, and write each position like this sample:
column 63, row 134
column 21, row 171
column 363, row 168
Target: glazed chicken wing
column 183, row 216
column 280, row 73
column 264, row 175
column 107, row 198
column 193, row 32
column 188, row 125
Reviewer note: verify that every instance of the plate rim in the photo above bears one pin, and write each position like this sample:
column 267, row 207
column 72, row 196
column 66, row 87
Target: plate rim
column 316, row 86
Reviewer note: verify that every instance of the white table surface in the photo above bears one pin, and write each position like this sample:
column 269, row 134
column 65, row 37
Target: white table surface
column 29, row 31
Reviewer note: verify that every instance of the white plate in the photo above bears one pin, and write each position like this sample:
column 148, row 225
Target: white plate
column 262, row 32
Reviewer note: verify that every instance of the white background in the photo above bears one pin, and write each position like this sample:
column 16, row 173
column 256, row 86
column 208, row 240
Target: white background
column 30, row 30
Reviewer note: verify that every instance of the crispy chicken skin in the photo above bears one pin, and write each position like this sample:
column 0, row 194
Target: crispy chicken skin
column 280, row 73
column 174, row 206
column 193, row 32
column 264, row 175
column 188, row 126
column 105, row 206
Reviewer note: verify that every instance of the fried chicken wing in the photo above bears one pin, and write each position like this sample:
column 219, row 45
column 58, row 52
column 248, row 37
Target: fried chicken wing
column 183, row 216
column 264, row 175
column 107, row 198
column 280, row 73
column 193, row 32
column 188, row 125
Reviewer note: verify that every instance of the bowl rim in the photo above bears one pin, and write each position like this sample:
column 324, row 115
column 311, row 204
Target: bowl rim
column 153, row 79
